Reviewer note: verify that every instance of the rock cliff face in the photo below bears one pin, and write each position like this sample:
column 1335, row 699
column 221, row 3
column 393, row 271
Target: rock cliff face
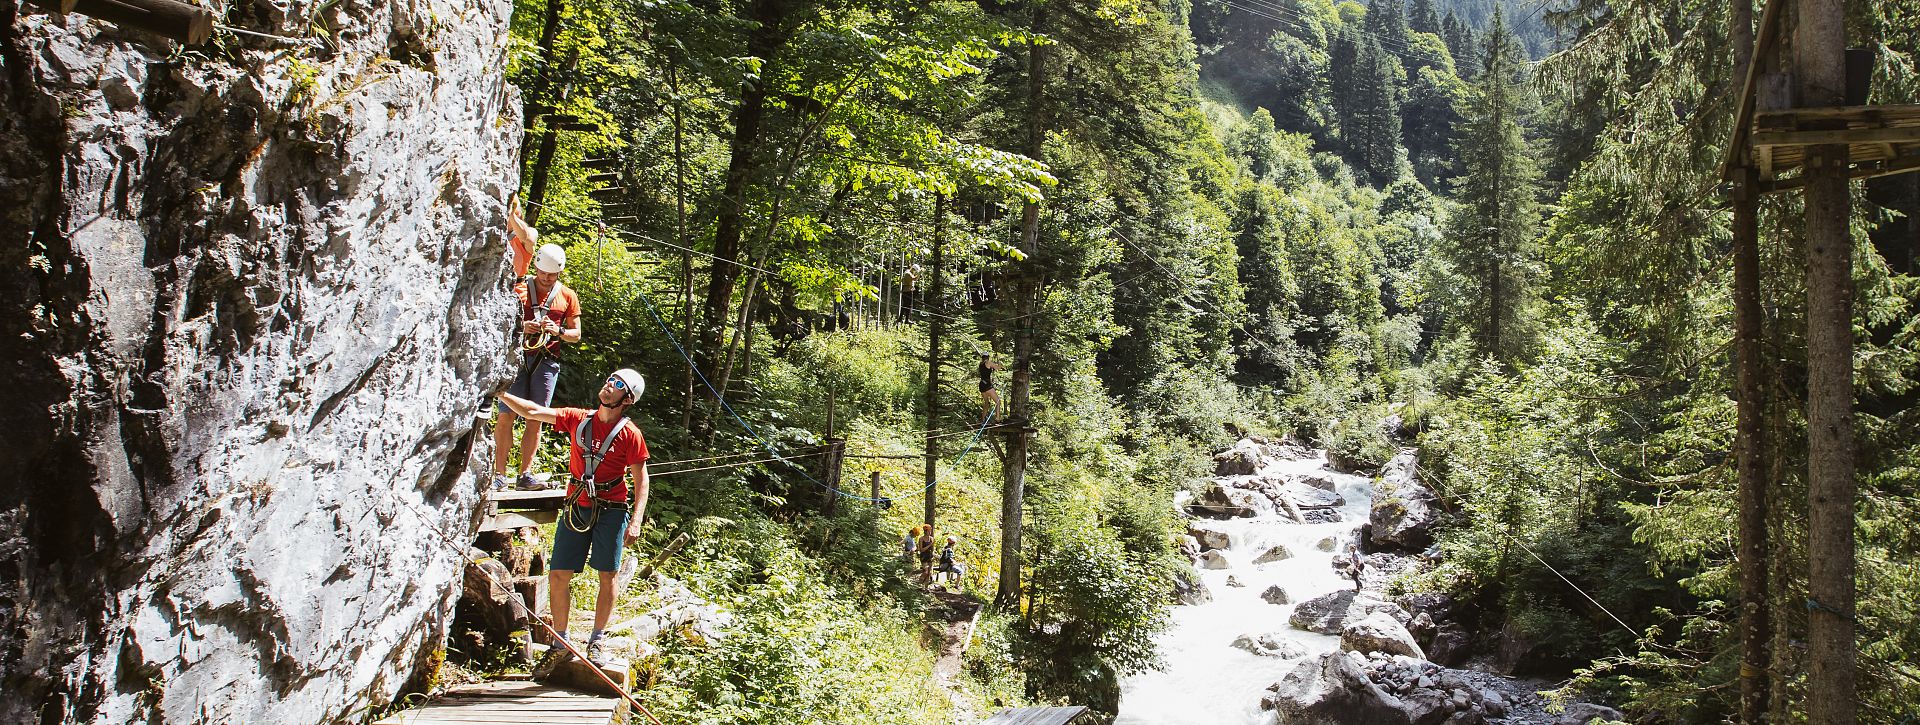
column 250, row 294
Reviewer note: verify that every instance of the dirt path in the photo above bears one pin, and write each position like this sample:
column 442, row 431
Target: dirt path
column 950, row 627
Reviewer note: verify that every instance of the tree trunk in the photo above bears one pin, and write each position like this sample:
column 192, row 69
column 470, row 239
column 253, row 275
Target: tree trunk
column 680, row 238
column 1820, row 68
column 1750, row 467
column 936, row 326
column 549, row 145
column 763, row 42
column 1026, row 298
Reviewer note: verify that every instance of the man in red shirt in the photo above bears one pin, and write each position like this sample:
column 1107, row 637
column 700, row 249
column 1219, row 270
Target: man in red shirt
column 549, row 316
column 602, row 515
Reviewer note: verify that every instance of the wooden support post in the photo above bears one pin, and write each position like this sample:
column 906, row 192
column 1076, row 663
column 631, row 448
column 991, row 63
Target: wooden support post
column 1749, row 472
column 876, row 488
column 935, row 326
column 673, row 547
column 832, row 464
column 177, row 21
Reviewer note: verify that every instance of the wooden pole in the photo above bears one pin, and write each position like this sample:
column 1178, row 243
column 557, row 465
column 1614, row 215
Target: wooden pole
column 177, row 21
column 1026, row 291
column 935, row 326
column 1819, row 70
column 876, row 488
column 835, row 462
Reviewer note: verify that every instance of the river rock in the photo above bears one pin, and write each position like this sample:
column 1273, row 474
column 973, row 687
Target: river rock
column 1214, row 559
column 1329, row 613
column 1327, row 544
column 1315, row 480
column 1404, row 509
column 1234, row 581
column 1232, row 497
column 1209, row 535
column 1273, row 554
column 1244, row 458
column 1190, row 589
column 1585, row 713
column 1378, row 632
column 1276, row 595
column 1333, row 689
column 254, row 295
column 1350, row 462
column 1271, row 644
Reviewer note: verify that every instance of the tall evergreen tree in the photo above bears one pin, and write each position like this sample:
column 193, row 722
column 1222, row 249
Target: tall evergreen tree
column 1342, row 59
column 1459, row 39
column 1387, row 22
column 1491, row 239
column 1374, row 140
column 1424, row 18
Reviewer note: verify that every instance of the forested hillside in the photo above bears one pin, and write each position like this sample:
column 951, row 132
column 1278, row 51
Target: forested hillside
column 1176, row 223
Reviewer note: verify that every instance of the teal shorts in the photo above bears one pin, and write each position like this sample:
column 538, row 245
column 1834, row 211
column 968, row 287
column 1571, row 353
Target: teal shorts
column 603, row 541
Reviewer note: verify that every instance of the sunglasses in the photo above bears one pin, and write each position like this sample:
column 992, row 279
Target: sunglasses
column 617, row 383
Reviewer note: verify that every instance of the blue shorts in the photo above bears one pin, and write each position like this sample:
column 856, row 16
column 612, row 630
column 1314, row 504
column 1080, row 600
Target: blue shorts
column 535, row 382
column 570, row 548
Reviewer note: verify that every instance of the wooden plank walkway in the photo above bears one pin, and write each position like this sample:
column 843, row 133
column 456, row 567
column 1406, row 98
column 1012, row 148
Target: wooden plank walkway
column 499, row 703
column 1037, row 716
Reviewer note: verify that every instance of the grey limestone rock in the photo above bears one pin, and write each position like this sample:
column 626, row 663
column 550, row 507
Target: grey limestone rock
column 249, row 318
column 1377, row 632
column 1404, row 509
column 1271, row 644
column 1329, row 613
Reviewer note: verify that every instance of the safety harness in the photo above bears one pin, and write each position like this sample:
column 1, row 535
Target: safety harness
column 541, row 342
column 592, row 454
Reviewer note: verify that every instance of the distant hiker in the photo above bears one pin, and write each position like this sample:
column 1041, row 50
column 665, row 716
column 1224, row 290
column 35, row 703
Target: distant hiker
column 907, row 280
column 1356, row 565
column 925, row 550
column 989, row 395
column 549, row 316
column 947, row 564
column 601, row 515
column 520, row 236
column 908, row 544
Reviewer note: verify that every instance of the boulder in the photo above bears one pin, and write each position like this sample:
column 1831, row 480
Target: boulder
column 1378, row 632
column 1451, row 646
column 1209, row 535
column 1189, row 589
column 1271, row 644
column 1315, row 480
column 1276, row 595
column 1305, row 496
column 1223, row 498
column 1329, row 613
column 1214, row 559
column 1404, row 509
column 1333, row 689
column 1350, row 462
column 1328, row 544
column 1234, row 581
column 1240, row 460
column 1273, row 554
column 1584, row 713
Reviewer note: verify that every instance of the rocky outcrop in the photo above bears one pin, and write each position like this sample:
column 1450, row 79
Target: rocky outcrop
column 1333, row 689
column 251, row 300
column 1241, row 460
column 1271, row 644
column 1214, row 559
column 1209, row 535
column 1378, row 632
column 1190, row 589
column 1404, row 509
column 1272, row 554
column 1329, row 613
column 1247, row 496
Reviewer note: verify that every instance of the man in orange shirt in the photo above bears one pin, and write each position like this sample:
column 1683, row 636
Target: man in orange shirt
column 549, row 316
column 601, row 516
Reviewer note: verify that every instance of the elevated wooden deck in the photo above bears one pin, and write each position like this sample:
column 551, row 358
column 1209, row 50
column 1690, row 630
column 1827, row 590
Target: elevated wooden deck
column 507, row 510
column 498, row 703
column 1038, row 716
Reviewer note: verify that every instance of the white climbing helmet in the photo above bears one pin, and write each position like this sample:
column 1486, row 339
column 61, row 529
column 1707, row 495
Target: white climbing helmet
column 551, row 259
column 634, row 383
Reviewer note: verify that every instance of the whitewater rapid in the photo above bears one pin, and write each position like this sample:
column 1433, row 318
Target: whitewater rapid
column 1204, row 679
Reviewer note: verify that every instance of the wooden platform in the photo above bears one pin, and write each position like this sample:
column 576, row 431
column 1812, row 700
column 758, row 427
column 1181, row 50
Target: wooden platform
column 1038, row 716
column 506, row 510
column 500, row 703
